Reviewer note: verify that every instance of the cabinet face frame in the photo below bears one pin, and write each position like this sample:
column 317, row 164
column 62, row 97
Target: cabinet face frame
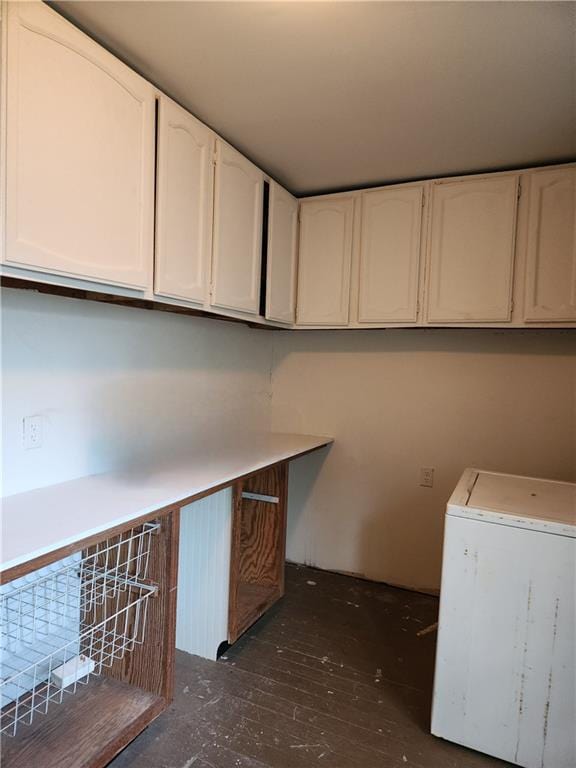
column 433, row 267
column 538, row 182
column 282, row 255
column 43, row 23
column 342, row 206
column 224, row 254
column 183, row 242
column 414, row 196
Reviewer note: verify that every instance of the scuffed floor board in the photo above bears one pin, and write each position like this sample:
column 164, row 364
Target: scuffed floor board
column 334, row 675
column 434, row 592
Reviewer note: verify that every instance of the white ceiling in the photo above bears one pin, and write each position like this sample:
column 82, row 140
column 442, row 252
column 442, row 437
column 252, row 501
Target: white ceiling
column 330, row 95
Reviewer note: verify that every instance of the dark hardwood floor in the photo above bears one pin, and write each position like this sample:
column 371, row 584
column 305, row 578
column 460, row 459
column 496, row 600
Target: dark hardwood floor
column 335, row 675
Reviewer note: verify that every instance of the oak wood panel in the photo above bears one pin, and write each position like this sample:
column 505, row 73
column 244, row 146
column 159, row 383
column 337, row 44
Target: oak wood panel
column 258, row 548
column 271, row 482
column 259, row 532
column 254, row 600
column 235, row 550
column 150, row 664
column 86, row 731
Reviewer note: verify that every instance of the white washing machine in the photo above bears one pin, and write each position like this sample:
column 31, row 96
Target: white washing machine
column 505, row 680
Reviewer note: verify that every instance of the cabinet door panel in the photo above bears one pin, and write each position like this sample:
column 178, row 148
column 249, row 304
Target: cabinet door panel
column 237, row 247
column 473, row 224
column 551, row 250
column 258, row 550
column 80, row 154
column 282, row 245
column 390, row 255
column 183, row 204
column 324, row 261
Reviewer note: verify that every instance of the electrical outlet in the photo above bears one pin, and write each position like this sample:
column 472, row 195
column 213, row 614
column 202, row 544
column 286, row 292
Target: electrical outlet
column 427, row 477
column 32, row 432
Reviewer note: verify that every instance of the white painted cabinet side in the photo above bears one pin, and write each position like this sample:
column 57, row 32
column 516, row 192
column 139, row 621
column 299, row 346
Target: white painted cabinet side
column 203, row 574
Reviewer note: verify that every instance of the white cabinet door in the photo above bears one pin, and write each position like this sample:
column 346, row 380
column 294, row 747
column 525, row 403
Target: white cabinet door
column 237, row 246
column 551, row 246
column 183, row 204
column 80, row 154
column 391, row 224
column 282, row 252
column 473, row 225
column 324, row 261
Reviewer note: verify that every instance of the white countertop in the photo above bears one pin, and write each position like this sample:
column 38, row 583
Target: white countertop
column 41, row 521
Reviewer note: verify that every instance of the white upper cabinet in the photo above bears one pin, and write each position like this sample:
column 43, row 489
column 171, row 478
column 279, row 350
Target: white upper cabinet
column 282, row 254
column 390, row 235
column 473, row 225
column 79, row 156
column 183, row 204
column 237, row 242
column 551, row 246
column 324, row 261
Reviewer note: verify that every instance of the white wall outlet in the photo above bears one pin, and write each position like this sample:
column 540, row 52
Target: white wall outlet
column 427, row 477
column 32, row 432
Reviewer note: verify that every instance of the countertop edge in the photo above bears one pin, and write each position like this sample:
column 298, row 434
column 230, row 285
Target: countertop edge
column 196, row 492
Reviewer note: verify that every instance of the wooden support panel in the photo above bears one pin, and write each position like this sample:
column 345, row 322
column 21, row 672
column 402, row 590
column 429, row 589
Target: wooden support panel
column 150, row 665
column 258, row 547
column 86, row 731
column 100, row 718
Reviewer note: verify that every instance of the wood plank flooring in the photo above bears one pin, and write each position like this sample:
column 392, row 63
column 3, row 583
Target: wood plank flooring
column 335, row 675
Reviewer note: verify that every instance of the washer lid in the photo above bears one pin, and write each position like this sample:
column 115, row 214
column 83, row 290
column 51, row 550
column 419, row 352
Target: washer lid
column 524, row 502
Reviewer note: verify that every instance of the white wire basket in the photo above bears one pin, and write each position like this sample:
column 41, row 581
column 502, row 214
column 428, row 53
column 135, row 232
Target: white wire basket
column 85, row 612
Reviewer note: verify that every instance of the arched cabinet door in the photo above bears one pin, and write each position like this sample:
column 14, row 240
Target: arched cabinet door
column 471, row 258
column 237, row 245
column 550, row 293
column 391, row 224
column 79, row 154
column 282, row 255
column 324, row 261
column 183, row 204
